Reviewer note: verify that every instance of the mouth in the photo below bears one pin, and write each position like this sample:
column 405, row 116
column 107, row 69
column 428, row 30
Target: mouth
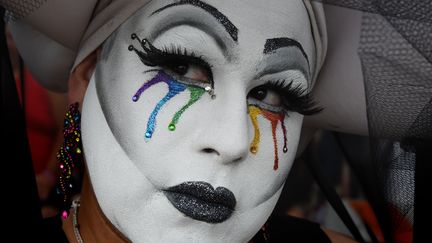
column 198, row 200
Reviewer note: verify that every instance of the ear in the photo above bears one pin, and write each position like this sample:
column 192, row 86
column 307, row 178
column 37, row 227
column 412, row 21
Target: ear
column 80, row 78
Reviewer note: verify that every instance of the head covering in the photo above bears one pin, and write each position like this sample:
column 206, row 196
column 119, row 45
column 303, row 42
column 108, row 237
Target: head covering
column 71, row 30
column 74, row 30
column 319, row 30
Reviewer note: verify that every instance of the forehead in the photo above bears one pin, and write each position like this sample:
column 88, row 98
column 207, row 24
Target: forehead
column 255, row 19
column 270, row 17
column 259, row 20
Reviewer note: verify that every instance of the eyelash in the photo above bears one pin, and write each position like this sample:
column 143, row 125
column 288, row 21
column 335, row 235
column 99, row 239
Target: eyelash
column 294, row 98
column 169, row 55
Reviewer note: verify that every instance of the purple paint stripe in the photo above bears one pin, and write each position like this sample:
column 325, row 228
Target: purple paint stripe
column 160, row 77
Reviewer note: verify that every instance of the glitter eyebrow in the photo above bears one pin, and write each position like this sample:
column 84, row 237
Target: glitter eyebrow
column 221, row 18
column 276, row 43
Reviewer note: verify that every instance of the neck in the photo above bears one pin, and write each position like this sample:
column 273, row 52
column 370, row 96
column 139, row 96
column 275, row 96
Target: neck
column 93, row 225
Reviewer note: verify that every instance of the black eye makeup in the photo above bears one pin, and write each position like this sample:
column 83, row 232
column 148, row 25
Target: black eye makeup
column 277, row 96
column 177, row 62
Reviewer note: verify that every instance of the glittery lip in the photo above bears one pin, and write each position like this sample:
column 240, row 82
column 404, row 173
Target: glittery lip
column 198, row 200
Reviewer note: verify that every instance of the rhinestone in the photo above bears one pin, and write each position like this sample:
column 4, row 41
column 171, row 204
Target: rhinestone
column 171, row 127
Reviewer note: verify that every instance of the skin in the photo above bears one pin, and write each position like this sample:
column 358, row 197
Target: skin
column 212, row 140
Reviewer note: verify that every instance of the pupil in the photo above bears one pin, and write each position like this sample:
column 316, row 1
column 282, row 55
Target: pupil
column 260, row 94
column 180, row 68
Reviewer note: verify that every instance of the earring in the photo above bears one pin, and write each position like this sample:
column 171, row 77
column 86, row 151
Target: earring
column 70, row 157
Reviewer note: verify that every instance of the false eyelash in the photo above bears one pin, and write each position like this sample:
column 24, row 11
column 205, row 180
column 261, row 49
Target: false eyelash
column 295, row 98
column 152, row 56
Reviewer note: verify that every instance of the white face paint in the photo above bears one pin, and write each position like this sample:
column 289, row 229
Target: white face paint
column 213, row 137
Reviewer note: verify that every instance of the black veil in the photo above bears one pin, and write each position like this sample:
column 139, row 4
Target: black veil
column 395, row 50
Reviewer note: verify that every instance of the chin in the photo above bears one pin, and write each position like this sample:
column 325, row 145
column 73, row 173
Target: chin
column 162, row 222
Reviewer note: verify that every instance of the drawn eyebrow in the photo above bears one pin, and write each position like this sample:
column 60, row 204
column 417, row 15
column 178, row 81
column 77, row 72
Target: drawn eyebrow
column 221, row 18
column 276, row 43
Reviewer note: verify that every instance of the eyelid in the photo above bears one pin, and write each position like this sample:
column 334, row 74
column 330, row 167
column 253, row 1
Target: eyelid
column 194, row 18
column 284, row 60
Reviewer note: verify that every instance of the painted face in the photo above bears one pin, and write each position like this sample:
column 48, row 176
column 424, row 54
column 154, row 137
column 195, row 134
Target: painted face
column 191, row 126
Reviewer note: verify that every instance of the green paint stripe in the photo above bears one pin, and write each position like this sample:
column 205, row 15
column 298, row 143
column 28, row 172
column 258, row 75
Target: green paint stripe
column 195, row 94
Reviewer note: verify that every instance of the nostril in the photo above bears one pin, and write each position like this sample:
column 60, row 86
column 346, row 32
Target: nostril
column 210, row 151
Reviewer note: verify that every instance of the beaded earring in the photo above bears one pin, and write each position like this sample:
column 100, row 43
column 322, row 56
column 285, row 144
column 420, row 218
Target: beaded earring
column 70, row 158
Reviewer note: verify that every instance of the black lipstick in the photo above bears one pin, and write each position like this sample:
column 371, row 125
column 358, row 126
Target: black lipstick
column 198, row 200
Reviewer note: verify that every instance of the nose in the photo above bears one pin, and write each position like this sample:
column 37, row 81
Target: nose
column 226, row 136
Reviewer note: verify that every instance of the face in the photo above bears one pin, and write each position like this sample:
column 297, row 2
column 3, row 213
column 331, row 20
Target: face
column 191, row 126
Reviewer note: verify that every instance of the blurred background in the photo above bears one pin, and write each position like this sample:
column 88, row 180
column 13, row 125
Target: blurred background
column 333, row 154
column 44, row 113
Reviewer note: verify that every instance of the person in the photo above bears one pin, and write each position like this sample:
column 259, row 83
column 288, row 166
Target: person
column 194, row 182
column 191, row 115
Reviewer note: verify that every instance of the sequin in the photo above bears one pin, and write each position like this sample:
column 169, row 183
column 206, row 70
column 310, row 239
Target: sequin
column 171, row 127
column 64, row 214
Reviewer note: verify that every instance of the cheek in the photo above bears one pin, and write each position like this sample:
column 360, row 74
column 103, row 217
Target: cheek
column 116, row 84
column 143, row 111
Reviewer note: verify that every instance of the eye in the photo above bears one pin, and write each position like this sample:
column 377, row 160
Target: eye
column 266, row 96
column 187, row 70
column 278, row 96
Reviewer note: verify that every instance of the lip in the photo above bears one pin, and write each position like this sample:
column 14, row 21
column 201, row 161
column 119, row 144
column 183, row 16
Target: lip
column 198, row 200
